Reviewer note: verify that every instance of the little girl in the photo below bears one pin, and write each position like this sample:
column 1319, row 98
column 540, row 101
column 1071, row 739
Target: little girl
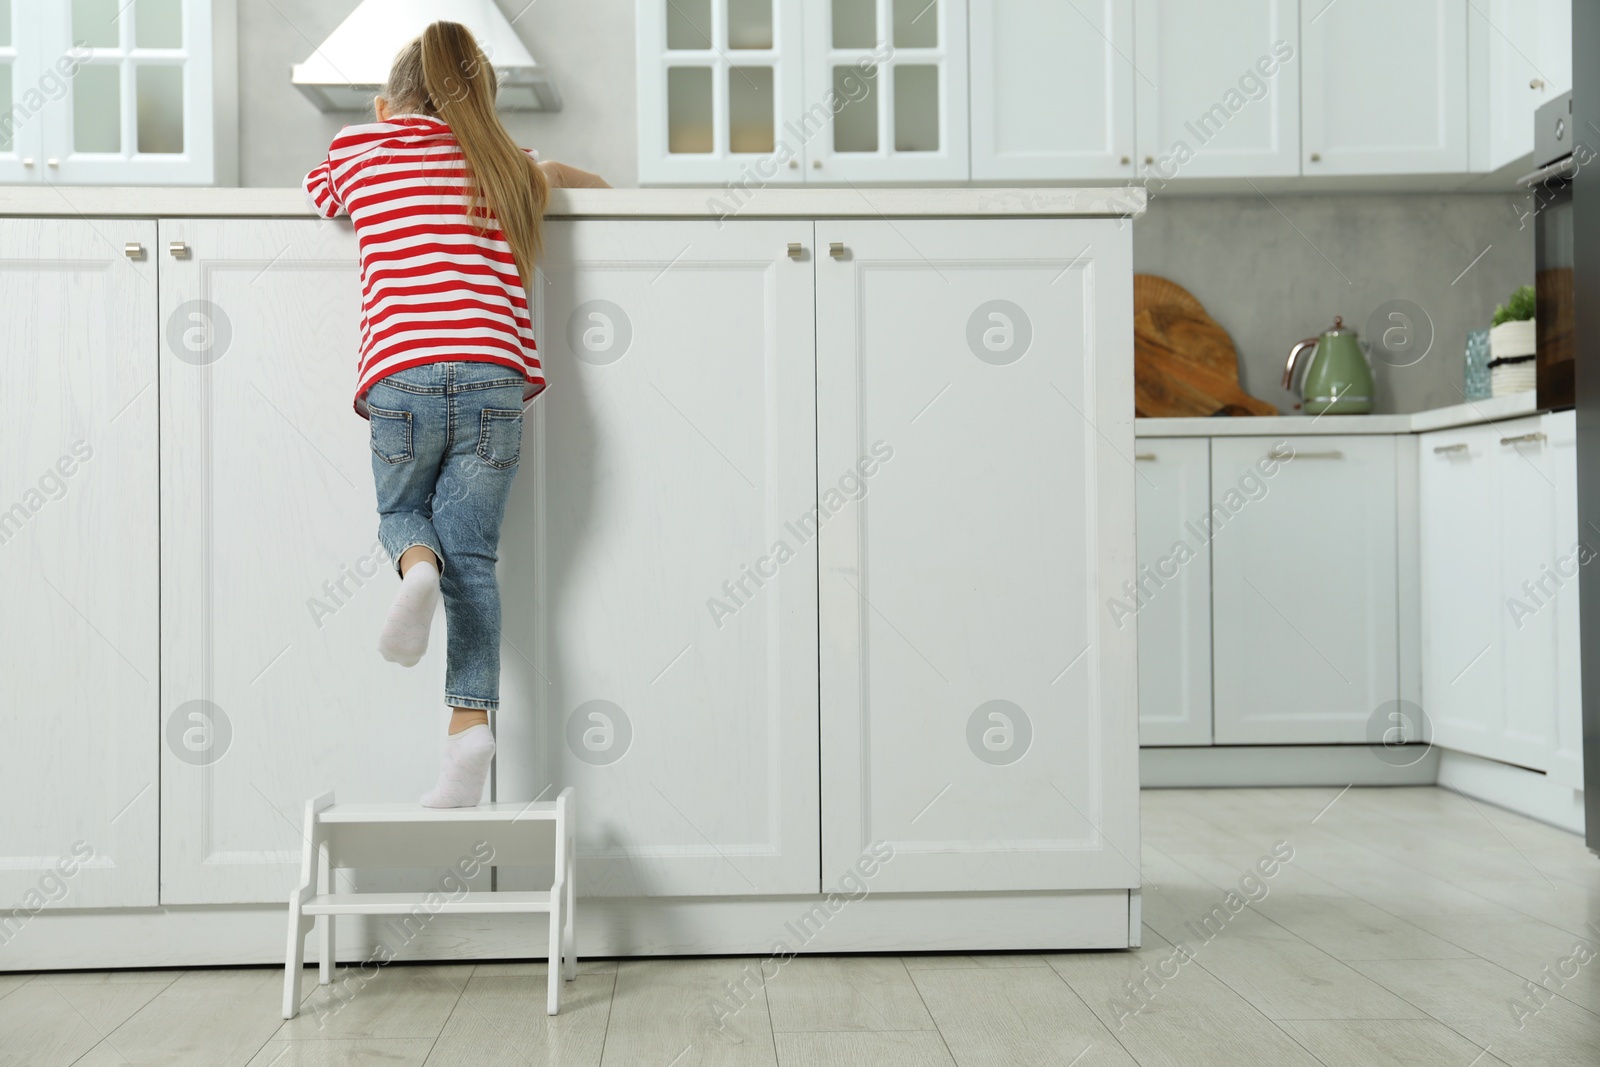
column 446, row 210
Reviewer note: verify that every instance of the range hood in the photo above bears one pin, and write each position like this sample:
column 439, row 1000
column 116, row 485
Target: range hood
column 353, row 63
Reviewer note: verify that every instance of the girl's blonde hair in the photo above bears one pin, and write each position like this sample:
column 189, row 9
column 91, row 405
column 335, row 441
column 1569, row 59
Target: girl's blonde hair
column 443, row 73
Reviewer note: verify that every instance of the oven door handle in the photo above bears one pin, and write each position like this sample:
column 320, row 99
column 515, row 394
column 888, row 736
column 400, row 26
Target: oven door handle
column 1564, row 167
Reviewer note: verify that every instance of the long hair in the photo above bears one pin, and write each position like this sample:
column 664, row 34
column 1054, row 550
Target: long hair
column 443, row 73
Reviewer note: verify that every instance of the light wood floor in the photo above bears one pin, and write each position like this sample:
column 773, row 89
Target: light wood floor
column 1402, row 931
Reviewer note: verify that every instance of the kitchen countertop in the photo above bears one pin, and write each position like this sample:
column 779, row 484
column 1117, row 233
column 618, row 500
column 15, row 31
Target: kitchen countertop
column 712, row 203
column 1494, row 409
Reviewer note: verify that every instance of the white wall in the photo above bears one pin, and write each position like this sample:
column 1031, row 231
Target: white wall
column 587, row 45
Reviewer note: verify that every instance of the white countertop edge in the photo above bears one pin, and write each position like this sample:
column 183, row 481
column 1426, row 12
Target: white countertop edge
column 711, row 203
column 1494, row 409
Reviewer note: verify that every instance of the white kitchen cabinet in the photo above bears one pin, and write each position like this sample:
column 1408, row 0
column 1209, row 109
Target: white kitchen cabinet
column 1304, row 587
column 1500, row 553
column 1521, row 57
column 1171, row 605
column 721, row 86
column 273, row 585
column 78, row 654
column 1053, row 89
column 109, row 93
column 1218, row 88
column 1566, row 765
column 886, row 90
column 21, row 67
column 1383, row 87
column 1462, row 660
column 659, row 585
column 978, row 699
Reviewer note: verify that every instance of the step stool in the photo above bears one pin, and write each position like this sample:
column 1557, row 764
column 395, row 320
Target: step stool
column 410, row 835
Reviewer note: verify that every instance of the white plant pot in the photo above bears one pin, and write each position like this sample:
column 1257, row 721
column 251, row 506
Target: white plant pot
column 1513, row 339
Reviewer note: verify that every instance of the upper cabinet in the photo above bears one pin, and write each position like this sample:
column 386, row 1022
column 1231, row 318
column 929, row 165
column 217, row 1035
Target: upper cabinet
column 1521, row 56
column 886, row 90
column 109, row 92
column 720, row 86
column 1218, row 88
column 752, row 92
column 746, row 93
column 1052, row 90
column 1384, row 87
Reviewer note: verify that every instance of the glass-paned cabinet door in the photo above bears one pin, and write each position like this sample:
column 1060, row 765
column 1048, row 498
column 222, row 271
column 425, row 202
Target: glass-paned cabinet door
column 138, row 108
column 720, row 85
column 25, row 96
column 886, row 90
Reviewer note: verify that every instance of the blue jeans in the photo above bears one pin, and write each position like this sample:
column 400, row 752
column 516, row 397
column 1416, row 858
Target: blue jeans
column 446, row 438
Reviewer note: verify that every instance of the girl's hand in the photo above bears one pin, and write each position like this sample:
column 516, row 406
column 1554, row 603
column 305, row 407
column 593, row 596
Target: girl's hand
column 562, row 176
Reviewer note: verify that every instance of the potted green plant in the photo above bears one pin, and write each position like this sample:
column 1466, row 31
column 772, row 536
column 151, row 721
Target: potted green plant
column 1513, row 344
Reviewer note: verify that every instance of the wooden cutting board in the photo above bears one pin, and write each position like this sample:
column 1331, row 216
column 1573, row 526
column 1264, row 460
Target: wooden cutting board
column 1185, row 365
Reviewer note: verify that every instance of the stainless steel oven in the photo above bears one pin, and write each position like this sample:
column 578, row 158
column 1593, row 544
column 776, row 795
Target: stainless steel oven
column 1551, row 189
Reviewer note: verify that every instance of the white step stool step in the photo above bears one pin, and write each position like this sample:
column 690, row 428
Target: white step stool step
column 482, row 903
column 502, row 812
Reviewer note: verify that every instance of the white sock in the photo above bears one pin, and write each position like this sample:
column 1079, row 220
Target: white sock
column 466, row 768
column 405, row 632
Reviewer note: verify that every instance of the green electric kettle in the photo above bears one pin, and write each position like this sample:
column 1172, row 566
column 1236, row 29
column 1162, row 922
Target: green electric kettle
column 1337, row 377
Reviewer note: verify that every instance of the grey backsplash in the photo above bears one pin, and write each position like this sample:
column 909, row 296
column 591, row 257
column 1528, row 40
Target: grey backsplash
column 1274, row 272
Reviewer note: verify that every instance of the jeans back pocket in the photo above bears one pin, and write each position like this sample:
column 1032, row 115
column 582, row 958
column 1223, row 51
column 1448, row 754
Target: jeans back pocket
column 500, row 437
column 391, row 434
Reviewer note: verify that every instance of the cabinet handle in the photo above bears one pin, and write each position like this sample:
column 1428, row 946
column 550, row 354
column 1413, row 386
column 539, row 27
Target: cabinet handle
column 1316, row 157
column 795, row 250
column 816, row 164
column 133, row 250
column 178, row 249
column 1330, row 454
column 1145, row 457
column 1521, row 437
column 1126, row 161
column 52, row 162
column 27, row 161
column 794, row 164
column 1149, row 160
column 1537, row 83
column 1459, row 446
column 836, row 249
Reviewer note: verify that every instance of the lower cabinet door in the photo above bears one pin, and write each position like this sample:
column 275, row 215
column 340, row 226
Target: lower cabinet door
column 975, row 497
column 1538, row 576
column 658, row 562
column 1171, row 599
column 1571, row 552
column 273, row 585
column 1304, row 590
column 79, row 670
column 1463, row 613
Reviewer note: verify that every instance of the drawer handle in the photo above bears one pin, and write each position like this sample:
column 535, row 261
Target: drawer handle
column 795, row 250
column 1330, row 454
column 1459, row 446
column 1145, row 457
column 836, row 249
column 1521, row 437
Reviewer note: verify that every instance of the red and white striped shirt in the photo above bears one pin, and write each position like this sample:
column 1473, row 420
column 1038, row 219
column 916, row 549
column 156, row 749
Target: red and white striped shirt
column 434, row 287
